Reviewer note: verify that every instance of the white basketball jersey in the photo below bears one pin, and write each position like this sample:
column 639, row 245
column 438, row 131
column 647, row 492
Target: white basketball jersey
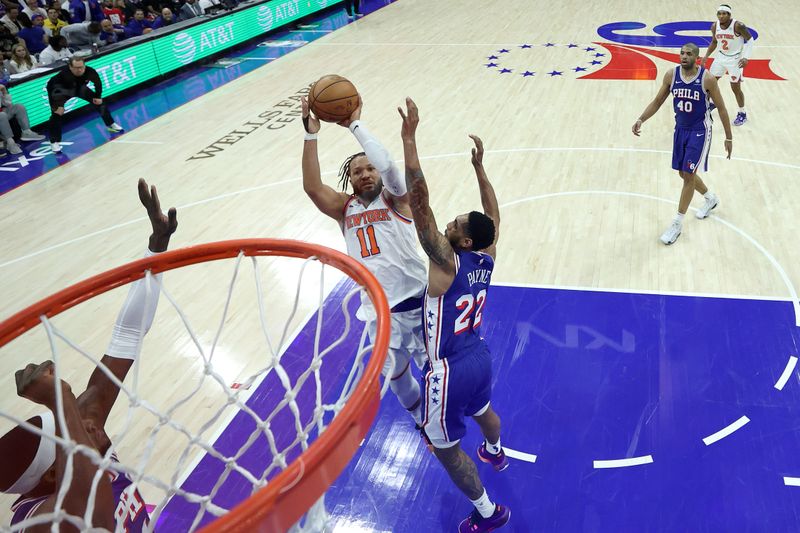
column 728, row 43
column 385, row 242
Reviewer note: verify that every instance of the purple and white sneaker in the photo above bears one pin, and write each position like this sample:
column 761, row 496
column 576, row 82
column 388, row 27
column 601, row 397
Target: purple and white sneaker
column 475, row 523
column 741, row 118
column 498, row 461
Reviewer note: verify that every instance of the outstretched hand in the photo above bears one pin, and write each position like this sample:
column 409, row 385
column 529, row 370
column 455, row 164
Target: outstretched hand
column 410, row 120
column 163, row 225
column 310, row 122
column 355, row 115
column 37, row 383
column 477, row 152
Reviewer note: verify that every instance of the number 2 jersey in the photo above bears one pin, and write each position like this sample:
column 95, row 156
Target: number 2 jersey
column 452, row 320
column 691, row 102
column 385, row 242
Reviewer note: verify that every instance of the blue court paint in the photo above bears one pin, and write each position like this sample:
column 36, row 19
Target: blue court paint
column 179, row 514
column 86, row 132
column 583, row 376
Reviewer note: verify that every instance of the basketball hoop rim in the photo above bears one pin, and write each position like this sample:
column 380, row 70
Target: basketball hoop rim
column 291, row 493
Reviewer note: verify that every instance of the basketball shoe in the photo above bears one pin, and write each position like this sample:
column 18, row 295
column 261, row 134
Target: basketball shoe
column 741, row 118
column 115, row 128
column 475, row 523
column 672, row 233
column 711, row 202
column 498, row 461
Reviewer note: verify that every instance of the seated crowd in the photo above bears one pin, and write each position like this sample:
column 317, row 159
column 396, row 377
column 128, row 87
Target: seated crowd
column 33, row 33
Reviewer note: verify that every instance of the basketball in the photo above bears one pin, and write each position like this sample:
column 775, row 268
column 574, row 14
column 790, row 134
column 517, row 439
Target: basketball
column 333, row 98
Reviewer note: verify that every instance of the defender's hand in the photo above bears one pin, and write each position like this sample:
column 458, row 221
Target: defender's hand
column 163, row 225
column 410, row 120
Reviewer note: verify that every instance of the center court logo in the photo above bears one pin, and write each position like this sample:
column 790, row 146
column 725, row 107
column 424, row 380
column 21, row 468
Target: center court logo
column 184, row 48
column 264, row 18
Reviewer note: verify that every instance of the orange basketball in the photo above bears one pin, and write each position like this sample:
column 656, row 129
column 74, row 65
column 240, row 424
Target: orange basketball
column 333, row 98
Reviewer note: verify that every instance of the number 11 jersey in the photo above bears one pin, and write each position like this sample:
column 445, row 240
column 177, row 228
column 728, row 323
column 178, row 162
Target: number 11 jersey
column 385, row 242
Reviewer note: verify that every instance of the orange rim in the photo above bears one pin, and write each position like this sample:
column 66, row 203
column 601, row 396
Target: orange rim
column 291, row 493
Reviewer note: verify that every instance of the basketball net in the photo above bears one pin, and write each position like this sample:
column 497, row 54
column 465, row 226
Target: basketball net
column 309, row 424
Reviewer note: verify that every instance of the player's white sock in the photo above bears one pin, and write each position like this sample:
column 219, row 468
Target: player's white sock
column 742, row 110
column 484, row 505
column 493, row 448
column 406, row 388
column 679, row 218
column 708, row 195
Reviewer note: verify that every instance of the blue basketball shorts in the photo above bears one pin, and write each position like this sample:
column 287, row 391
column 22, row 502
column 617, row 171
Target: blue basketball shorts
column 690, row 150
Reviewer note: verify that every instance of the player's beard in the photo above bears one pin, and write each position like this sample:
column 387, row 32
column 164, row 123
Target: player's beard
column 370, row 195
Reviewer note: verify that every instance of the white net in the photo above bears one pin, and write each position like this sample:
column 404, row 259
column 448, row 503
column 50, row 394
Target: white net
column 222, row 447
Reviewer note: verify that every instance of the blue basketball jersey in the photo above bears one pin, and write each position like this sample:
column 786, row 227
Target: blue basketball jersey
column 453, row 319
column 690, row 101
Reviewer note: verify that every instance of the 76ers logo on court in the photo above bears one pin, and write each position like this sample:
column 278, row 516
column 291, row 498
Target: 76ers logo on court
column 628, row 57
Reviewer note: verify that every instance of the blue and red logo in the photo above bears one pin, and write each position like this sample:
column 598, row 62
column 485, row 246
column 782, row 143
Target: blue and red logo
column 627, row 57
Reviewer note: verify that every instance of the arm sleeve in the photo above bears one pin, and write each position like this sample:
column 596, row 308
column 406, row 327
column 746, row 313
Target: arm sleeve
column 379, row 156
column 747, row 50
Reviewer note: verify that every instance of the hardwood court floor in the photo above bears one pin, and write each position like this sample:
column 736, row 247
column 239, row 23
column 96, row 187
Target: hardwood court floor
column 583, row 200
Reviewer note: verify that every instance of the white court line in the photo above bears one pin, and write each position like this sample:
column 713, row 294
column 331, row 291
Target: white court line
column 522, row 456
column 787, row 372
column 724, row 432
column 534, row 44
column 770, row 258
column 125, row 141
column 643, row 291
column 622, row 463
column 791, row 481
column 311, row 31
column 784, row 276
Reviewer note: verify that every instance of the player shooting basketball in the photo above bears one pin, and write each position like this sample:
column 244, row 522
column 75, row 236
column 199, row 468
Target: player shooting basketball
column 38, row 467
column 458, row 375
column 379, row 232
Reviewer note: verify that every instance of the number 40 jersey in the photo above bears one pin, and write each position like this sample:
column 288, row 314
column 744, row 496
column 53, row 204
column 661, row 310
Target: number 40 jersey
column 452, row 320
column 385, row 242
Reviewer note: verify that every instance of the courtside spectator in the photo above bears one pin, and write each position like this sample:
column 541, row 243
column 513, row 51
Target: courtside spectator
column 56, row 51
column 83, row 35
column 35, row 37
column 9, row 110
column 52, row 24
column 190, row 10
column 138, row 25
column 11, row 20
column 78, row 11
column 110, row 33
column 21, row 60
column 32, row 8
column 165, row 19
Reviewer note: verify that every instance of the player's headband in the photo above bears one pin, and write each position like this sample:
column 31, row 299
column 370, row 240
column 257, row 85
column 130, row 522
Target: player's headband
column 724, row 8
column 42, row 461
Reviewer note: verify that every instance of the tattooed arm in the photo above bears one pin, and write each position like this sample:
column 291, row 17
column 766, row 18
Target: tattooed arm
column 434, row 243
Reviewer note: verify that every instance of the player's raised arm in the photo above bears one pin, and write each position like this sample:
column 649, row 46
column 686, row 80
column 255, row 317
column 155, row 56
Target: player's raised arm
column 378, row 155
column 488, row 198
column 328, row 200
column 712, row 87
column 134, row 320
column 655, row 105
column 434, row 243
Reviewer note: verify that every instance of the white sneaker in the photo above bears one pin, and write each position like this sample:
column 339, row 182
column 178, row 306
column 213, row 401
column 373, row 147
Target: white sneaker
column 672, row 233
column 12, row 147
column 55, row 147
column 710, row 204
column 30, row 135
column 115, row 128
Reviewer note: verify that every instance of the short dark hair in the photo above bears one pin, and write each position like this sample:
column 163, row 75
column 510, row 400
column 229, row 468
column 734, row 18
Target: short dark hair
column 480, row 228
column 75, row 59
